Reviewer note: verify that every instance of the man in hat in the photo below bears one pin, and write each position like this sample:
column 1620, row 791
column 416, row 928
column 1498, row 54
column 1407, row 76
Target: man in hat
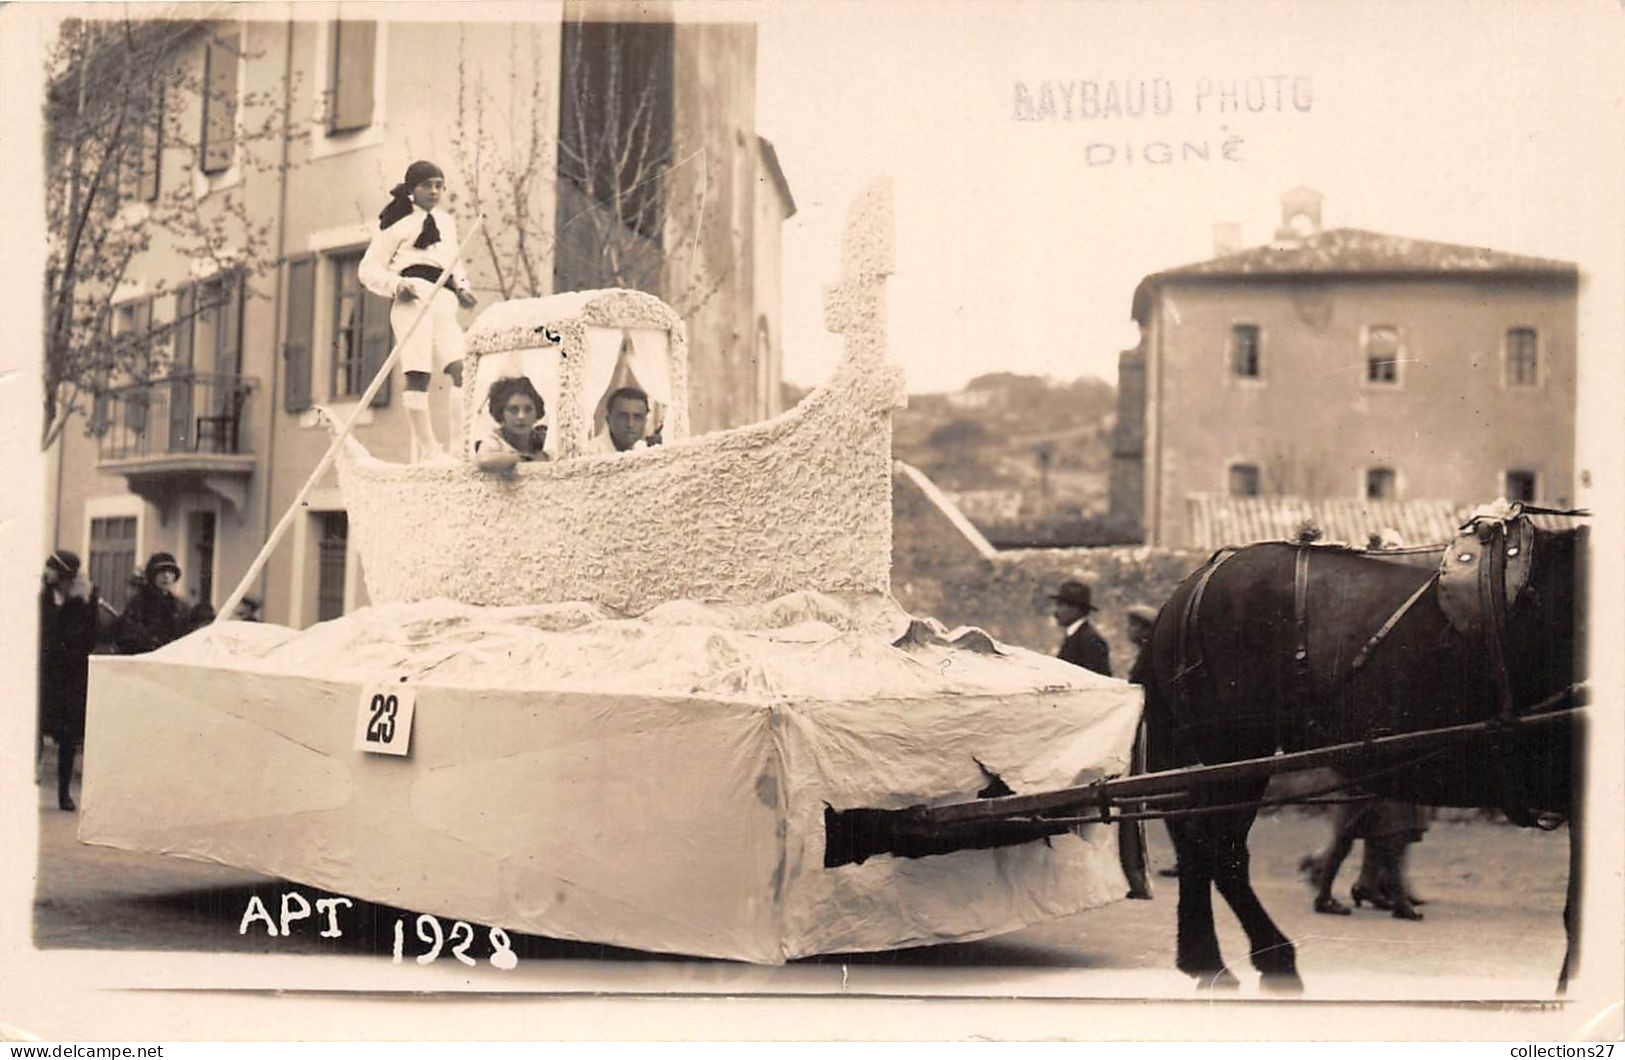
column 1141, row 619
column 67, row 606
column 155, row 615
column 1082, row 646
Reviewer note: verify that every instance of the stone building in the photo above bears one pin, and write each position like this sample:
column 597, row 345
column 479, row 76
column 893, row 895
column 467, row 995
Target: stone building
column 203, row 460
column 1349, row 365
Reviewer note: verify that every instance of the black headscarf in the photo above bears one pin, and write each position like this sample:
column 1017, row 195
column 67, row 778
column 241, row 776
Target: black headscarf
column 400, row 196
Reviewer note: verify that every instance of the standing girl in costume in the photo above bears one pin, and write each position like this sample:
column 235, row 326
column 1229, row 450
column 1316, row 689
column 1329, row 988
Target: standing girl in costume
column 414, row 245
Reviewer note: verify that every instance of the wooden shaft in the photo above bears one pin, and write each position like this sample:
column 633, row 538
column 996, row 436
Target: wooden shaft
column 1184, row 779
column 362, row 403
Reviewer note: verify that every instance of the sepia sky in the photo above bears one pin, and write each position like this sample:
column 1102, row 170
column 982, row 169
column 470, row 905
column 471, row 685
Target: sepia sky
column 1019, row 244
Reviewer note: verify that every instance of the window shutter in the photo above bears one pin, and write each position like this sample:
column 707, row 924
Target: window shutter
column 182, row 361
column 219, row 105
column 354, row 52
column 152, row 146
column 375, row 341
column 299, row 334
column 229, row 352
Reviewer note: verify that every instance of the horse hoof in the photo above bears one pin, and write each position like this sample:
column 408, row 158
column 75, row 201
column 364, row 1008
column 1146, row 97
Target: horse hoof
column 1405, row 912
column 1281, row 983
column 1223, row 979
column 1332, row 906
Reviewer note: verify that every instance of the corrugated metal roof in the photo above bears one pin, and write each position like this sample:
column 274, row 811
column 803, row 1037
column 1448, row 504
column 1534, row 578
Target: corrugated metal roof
column 1217, row 520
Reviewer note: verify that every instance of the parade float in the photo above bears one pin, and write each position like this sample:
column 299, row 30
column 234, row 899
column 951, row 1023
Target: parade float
column 639, row 693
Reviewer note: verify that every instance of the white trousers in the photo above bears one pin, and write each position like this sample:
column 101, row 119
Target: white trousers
column 438, row 341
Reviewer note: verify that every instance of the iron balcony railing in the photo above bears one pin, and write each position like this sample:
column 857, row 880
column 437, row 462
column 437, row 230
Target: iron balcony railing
column 184, row 413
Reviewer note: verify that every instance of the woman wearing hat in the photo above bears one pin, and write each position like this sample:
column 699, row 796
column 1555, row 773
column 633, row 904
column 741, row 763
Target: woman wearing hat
column 67, row 611
column 155, row 615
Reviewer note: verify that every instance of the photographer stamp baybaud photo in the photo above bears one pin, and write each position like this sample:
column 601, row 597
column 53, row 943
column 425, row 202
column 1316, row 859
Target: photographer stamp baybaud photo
column 629, row 504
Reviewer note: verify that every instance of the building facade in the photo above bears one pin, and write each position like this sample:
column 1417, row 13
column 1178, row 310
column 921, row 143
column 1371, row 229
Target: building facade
column 203, row 461
column 1346, row 364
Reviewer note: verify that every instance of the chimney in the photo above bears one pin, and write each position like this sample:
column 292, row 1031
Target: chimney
column 1300, row 215
column 1226, row 238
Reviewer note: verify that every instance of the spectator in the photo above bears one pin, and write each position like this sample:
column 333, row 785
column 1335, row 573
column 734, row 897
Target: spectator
column 1082, row 645
column 1141, row 620
column 1388, row 827
column 155, row 615
column 68, row 608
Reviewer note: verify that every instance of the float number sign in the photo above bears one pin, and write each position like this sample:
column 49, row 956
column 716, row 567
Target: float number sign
column 383, row 721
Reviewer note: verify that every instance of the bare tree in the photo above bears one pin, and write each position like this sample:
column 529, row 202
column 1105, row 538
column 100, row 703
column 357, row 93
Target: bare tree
column 611, row 200
column 115, row 126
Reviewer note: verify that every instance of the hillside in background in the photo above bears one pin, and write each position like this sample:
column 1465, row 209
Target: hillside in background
column 1026, row 458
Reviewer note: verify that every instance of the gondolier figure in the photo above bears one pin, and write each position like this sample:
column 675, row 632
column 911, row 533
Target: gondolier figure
column 414, row 244
column 1082, row 645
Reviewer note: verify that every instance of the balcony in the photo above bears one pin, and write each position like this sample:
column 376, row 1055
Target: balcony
column 182, row 434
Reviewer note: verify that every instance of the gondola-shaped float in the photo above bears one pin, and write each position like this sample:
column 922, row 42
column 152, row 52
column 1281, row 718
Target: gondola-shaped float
column 644, row 683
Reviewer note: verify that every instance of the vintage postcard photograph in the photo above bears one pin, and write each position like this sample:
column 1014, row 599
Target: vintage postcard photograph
column 906, row 520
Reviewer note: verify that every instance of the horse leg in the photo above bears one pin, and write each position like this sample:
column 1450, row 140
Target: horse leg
column 1571, row 903
column 1198, row 942
column 1272, row 952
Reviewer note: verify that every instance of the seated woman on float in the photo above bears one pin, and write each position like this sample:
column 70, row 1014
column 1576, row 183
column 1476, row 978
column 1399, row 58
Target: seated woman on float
column 520, row 433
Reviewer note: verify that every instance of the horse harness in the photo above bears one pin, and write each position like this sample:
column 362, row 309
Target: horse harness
column 1482, row 572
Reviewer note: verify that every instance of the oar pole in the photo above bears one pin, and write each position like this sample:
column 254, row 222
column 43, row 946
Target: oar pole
column 339, row 438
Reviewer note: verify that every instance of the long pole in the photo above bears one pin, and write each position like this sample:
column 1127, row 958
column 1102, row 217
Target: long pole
column 362, row 403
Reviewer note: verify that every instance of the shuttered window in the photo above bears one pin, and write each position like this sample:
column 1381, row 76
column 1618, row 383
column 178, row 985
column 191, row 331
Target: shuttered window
column 219, row 104
column 350, row 76
column 135, row 404
column 298, row 334
column 228, row 358
column 152, row 147
column 361, row 335
column 180, row 391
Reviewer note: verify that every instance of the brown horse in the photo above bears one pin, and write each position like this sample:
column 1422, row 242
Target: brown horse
column 1289, row 647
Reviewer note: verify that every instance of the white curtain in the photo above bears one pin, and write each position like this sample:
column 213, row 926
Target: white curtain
column 603, row 354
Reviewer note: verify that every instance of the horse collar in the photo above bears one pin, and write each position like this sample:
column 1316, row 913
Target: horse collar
column 1469, row 561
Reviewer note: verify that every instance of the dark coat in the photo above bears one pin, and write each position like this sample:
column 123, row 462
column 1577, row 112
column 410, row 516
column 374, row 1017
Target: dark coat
column 66, row 636
column 1087, row 649
column 151, row 619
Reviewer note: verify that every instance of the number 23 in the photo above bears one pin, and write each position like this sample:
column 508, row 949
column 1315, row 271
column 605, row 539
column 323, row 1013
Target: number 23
column 381, row 729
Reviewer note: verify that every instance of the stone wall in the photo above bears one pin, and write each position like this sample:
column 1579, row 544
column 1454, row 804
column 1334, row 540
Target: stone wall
column 937, row 571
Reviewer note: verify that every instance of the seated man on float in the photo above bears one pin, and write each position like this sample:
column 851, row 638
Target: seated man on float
column 627, row 414
column 519, row 434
